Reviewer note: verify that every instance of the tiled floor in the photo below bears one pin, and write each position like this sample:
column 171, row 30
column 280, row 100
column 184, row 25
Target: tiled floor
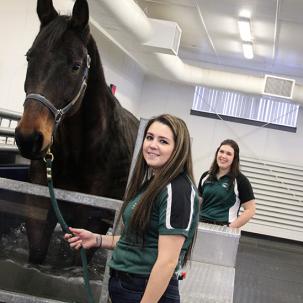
column 268, row 271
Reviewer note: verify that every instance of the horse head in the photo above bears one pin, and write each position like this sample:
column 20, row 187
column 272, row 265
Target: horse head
column 56, row 78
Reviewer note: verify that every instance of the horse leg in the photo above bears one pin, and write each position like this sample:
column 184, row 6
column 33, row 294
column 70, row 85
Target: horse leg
column 40, row 224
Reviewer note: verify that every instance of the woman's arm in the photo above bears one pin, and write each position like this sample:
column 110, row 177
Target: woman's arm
column 169, row 248
column 248, row 213
column 109, row 241
column 86, row 239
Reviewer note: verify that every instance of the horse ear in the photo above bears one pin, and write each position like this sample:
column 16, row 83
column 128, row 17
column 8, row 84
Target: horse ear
column 46, row 11
column 80, row 14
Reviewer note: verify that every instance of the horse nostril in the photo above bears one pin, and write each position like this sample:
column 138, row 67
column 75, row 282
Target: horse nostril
column 37, row 142
column 29, row 145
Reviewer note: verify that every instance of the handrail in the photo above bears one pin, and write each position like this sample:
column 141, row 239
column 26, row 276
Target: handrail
column 9, row 296
column 64, row 195
column 7, row 131
column 10, row 114
column 9, row 148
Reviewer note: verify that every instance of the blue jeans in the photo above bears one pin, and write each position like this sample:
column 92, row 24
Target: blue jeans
column 131, row 290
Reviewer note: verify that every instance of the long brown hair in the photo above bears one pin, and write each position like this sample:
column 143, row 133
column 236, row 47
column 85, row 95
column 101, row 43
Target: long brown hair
column 179, row 161
column 235, row 165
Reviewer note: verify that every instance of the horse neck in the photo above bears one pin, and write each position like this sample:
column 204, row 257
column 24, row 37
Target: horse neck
column 96, row 101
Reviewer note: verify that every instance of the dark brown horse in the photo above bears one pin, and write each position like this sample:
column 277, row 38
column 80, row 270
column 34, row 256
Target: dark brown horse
column 67, row 99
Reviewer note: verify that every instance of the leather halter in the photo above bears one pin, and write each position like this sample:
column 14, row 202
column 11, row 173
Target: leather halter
column 58, row 113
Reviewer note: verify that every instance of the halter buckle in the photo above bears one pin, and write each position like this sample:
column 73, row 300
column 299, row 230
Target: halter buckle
column 59, row 115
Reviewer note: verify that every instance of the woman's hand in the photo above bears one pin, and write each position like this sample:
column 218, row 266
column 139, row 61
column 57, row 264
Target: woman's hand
column 248, row 213
column 82, row 238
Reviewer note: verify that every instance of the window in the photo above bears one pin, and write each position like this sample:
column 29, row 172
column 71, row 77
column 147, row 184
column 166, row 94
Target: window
column 233, row 106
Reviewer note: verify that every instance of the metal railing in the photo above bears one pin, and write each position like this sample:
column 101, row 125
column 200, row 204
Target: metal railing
column 8, row 122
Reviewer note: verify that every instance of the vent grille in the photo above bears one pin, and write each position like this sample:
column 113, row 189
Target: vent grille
column 278, row 87
column 278, row 190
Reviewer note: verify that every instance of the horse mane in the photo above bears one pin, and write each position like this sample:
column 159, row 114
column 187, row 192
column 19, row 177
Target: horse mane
column 122, row 119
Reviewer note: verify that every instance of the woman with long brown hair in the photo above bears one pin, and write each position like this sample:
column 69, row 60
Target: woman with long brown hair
column 160, row 216
column 224, row 189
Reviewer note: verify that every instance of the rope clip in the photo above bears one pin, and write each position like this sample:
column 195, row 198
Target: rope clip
column 48, row 159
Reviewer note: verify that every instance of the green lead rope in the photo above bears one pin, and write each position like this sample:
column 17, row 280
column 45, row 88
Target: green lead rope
column 49, row 159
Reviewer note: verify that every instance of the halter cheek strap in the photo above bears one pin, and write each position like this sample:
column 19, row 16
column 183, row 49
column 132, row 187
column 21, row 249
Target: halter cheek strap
column 58, row 113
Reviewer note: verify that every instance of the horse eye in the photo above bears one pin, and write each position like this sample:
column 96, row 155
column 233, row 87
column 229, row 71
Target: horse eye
column 76, row 66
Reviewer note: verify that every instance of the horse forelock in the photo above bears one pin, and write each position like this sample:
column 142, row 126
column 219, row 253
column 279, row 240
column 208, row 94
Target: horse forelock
column 51, row 35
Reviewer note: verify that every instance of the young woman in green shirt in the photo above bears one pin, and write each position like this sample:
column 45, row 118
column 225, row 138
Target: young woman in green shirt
column 224, row 189
column 159, row 215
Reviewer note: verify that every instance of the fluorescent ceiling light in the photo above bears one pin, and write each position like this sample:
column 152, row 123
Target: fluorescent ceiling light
column 244, row 28
column 248, row 50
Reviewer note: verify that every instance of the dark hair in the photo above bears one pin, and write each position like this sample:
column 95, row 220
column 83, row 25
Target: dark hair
column 235, row 166
column 180, row 161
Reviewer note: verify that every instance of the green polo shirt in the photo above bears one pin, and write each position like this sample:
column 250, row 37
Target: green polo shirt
column 222, row 200
column 175, row 212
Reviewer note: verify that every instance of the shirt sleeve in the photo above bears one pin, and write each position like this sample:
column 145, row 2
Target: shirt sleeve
column 200, row 185
column 245, row 189
column 177, row 207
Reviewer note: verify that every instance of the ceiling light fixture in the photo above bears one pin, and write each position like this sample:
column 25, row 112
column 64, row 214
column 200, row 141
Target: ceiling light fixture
column 246, row 37
column 244, row 28
column 248, row 50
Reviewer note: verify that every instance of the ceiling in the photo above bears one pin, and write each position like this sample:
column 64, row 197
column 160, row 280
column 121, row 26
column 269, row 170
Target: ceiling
column 210, row 38
column 210, row 32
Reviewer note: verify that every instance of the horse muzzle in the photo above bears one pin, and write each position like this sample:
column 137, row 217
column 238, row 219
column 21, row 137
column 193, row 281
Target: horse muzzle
column 30, row 145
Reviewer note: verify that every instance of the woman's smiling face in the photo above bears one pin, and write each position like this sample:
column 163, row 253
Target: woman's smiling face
column 158, row 145
column 225, row 157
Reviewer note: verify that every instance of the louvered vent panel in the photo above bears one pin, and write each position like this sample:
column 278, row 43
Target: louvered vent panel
column 278, row 190
column 279, row 87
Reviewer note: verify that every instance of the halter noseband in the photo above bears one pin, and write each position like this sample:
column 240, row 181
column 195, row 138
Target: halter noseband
column 58, row 113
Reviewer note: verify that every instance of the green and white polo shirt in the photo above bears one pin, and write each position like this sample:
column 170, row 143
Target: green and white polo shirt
column 175, row 212
column 222, row 201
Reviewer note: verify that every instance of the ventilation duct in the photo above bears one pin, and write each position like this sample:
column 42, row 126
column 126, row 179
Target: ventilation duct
column 278, row 87
column 134, row 21
column 165, row 38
